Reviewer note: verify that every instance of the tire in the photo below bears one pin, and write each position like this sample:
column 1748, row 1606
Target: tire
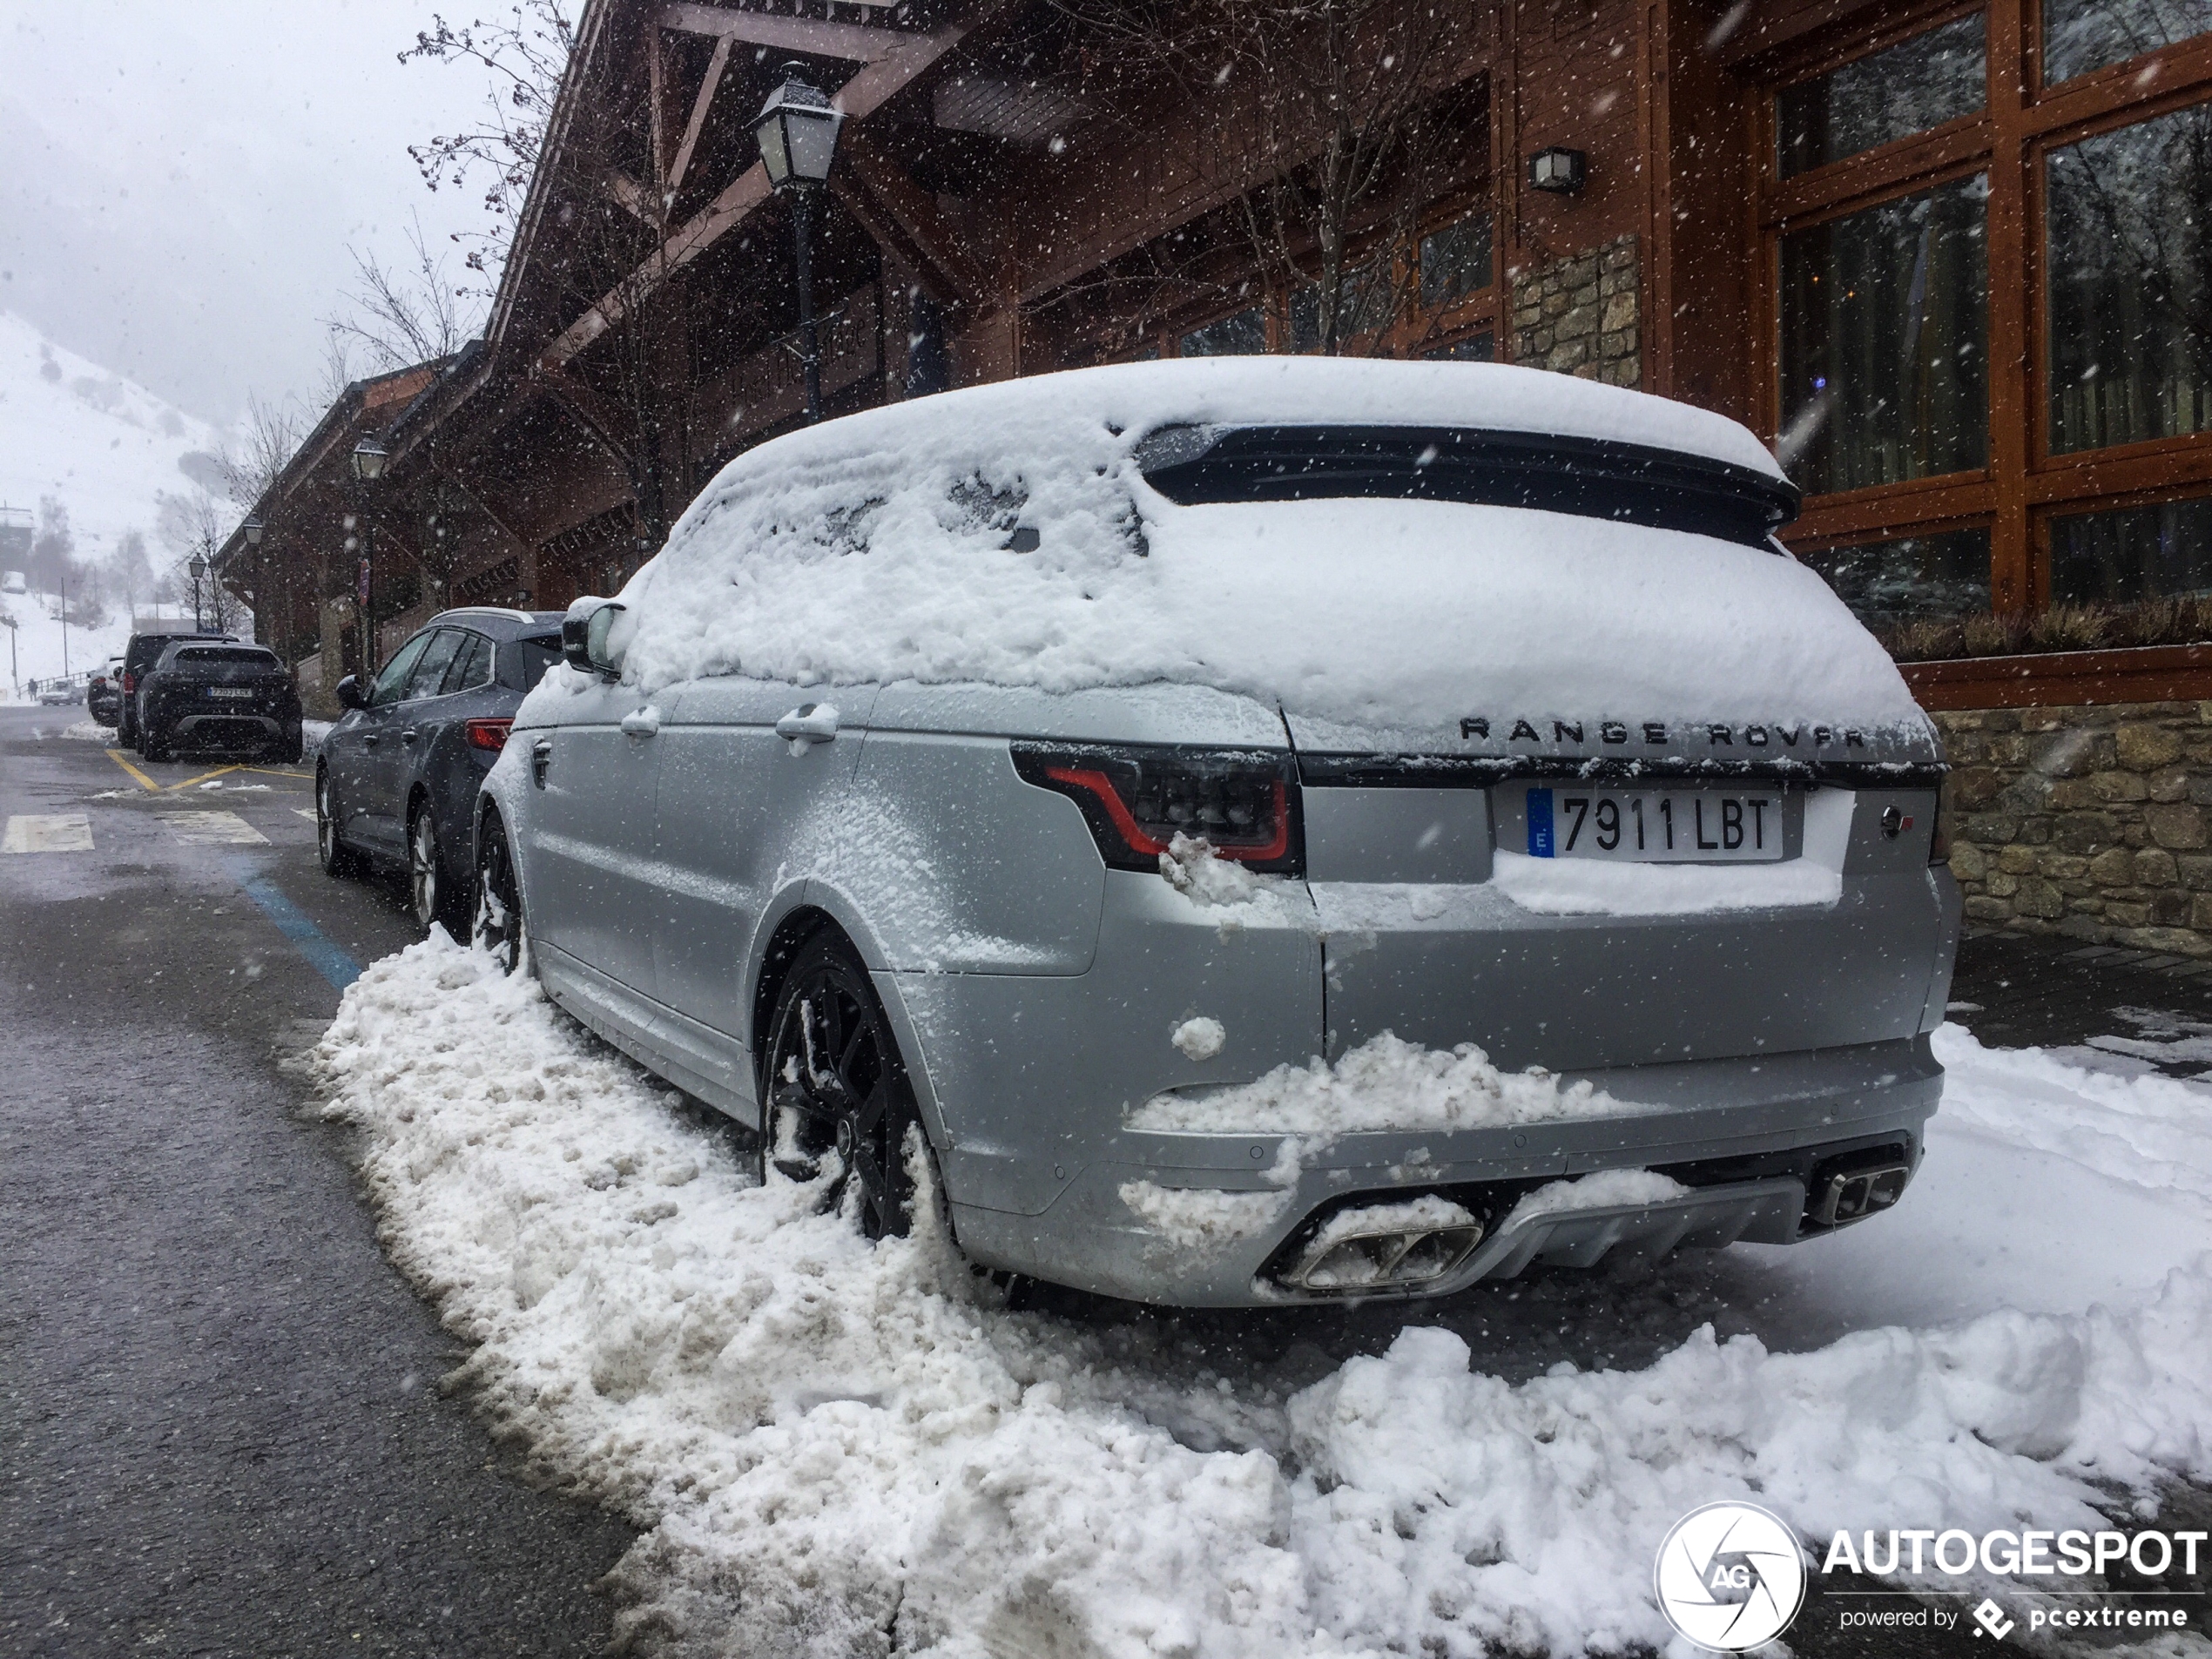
column 436, row 901
column 290, row 748
column 338, row 861
column 835, row 1087
column 498, row 924
column 127, row 733
column 153, row 745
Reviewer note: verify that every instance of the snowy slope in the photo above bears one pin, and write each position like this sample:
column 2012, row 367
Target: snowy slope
column 839, row 1449
column 105, row 448
column 102, row 444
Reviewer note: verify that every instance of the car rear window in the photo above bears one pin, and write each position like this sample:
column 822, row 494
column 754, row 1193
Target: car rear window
column 232, row 656
column 1586, row 477
column 539, row 652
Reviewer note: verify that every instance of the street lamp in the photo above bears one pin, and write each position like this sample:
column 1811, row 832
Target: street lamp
column 369, row 458
column 198, row 569
column 797, row 132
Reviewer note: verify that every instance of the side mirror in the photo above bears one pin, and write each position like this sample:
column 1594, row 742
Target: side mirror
column 587, row 637
column 349, row 694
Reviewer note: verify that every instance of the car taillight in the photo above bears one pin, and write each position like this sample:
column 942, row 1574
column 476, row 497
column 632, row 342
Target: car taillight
column 488, row 734
column 129, row 683
column 1137, row 800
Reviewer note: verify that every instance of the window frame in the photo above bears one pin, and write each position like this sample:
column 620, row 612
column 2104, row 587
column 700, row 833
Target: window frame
column 2024, row 485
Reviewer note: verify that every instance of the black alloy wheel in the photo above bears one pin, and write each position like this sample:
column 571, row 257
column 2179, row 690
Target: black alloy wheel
column 498, row 926
column 338, row 860
column 834, row 1085
column 429, row 894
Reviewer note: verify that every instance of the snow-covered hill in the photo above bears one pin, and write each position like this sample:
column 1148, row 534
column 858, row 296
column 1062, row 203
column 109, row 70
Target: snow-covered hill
column 105, row 448
column 102, row 444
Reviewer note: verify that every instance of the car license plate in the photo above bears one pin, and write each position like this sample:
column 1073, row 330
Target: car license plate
column 230, row 691
column 1655, row 826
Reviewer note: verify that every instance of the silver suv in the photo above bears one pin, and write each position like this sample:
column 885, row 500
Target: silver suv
column 1253, row 832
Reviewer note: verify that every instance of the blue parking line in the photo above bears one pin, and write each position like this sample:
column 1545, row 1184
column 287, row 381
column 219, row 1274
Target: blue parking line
column 324, row 957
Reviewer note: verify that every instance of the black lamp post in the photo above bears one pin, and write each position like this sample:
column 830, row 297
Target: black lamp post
column 198, row 566
column 797, row 131
column 369, row 457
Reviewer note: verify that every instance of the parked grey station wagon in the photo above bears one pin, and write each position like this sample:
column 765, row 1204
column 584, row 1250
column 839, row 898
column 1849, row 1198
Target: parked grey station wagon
column 1252, row 833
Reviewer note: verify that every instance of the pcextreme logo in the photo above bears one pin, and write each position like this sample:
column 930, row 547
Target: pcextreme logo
column 1730, row 1576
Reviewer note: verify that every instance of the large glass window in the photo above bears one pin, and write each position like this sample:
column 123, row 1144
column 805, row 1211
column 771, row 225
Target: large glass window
column 1365, row 305
column 2136, row 553
column 1456, row 261
column 1885, row 341
column 2082, row 35
column 1914, row 85
column 2129, row 218
column 430, row 668
column 1913, row 576
column 1244, row 335
column 1475, row 349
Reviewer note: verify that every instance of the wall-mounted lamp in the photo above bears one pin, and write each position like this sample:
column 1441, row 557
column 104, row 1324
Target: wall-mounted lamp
column 1558, row 170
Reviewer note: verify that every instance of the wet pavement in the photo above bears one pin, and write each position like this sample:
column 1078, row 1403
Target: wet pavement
column 220, row 1426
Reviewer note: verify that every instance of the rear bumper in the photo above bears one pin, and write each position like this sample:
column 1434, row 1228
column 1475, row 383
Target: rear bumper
column 226, row 728
column 1746, row 1135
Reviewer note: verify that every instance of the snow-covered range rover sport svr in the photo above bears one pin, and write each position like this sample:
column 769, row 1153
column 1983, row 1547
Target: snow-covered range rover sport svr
column 1250, row 832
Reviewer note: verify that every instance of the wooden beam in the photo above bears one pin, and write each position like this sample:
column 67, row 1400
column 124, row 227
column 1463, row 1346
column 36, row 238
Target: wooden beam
column 597, row 416
column 700, row 105
column 853, row 43
column 866, row 92
column 919, row 229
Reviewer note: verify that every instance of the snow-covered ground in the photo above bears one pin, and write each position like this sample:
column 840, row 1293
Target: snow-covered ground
column 841, row 1449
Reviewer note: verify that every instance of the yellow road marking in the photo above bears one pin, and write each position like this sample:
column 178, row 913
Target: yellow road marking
column 115, row 755
column 274, row 772
column 188, row 782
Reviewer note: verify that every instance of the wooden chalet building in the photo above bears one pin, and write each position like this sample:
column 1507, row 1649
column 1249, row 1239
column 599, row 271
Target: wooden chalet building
column 1951, row 258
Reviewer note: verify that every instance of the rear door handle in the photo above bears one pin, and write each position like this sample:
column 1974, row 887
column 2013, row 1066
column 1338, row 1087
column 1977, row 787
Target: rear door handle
column 645, row 722
column 807, row 725
column 408, row 736
column 370, row 741
column 541, row 758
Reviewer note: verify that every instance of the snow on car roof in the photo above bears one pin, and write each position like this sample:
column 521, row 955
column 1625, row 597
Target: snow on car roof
column 882, row 547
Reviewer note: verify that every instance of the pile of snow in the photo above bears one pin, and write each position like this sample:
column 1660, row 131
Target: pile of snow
column 836, row 1448
column 1384, row 1083
column 1603, row 1190
column 876, row 548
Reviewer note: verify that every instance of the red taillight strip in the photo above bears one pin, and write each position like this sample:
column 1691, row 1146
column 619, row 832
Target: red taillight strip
column 488, row 734
column 1126, row 826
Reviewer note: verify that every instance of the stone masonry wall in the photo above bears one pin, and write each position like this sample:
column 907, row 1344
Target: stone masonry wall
column 2093, row 823
column 1578, row 316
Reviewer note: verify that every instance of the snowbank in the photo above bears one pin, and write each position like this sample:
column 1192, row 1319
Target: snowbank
column 875, row 549
column 839, row 1448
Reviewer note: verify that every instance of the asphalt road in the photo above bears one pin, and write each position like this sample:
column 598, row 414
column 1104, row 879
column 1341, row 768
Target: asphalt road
column 220, row 1426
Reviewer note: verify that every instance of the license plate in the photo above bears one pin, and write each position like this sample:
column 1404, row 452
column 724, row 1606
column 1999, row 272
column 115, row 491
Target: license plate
column 230, row 691
column 1655, row 826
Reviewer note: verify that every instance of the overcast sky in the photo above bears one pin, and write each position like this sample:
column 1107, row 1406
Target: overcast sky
column 178, row 184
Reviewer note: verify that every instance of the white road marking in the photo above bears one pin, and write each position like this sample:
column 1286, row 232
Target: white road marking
column 51, row 832
column 211, row 829
column 307, row 812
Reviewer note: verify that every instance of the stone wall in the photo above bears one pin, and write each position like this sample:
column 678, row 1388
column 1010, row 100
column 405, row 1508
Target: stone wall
column 2093, row 823
column 1578, row 316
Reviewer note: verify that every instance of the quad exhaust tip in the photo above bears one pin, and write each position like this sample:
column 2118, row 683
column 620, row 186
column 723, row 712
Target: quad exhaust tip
column 1386, row 1247
column 1851, row 1194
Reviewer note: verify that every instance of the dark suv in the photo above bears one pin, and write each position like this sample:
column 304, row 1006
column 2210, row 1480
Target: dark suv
column 396, row 778
column 140, row 656
column 218, row 696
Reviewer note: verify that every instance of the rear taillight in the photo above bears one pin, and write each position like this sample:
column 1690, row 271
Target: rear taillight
column 129, row 683
column 488, row 734
column 1243, row 802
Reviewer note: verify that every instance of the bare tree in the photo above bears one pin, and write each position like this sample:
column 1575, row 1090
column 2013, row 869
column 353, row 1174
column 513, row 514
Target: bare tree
column 252, row 458
column 524, row 54
column 1351, row 116
column 194, row 526
column 397, row 316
